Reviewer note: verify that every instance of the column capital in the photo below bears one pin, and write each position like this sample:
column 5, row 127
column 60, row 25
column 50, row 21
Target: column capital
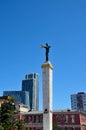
column 47, row 65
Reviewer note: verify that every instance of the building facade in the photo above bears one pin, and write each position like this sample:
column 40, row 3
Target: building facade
column 62, row 120
column 20, row 96
column 78, row 101
column 29, row 95
column 31, row 85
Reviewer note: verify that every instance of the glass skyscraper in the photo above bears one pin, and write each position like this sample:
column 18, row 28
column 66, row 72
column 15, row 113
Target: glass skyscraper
column 20, row 96
column 31, row 84
column 29, row 95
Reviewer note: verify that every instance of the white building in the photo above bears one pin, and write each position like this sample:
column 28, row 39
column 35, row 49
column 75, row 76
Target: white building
column 78, row 101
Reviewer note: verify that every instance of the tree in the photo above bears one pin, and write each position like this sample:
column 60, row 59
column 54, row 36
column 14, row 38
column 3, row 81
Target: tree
column 8, row 119
column 55, row 126
column 19, row 124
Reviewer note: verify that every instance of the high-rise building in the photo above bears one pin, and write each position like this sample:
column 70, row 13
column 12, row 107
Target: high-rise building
column 29, row 95
column 31, row 84
column 78, row 101
column 20, row 96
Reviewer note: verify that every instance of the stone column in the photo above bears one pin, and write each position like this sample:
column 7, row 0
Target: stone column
column 47, row 95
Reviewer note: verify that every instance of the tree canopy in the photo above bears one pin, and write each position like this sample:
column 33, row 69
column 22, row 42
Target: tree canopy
column 8, row 118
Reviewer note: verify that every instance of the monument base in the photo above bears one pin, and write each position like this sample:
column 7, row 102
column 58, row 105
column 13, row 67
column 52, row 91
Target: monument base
column 47, row 121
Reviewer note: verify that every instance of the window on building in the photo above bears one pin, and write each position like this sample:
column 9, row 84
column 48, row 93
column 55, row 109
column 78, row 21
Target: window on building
column 41, row 119
column 34, row 119
column 72, row 119
column 66, row 119
column 26, row 119
column 59, row 118
column 37, row 119
column 30, row 119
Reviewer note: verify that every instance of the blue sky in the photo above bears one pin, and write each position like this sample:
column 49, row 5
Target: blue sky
column 24, row 26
